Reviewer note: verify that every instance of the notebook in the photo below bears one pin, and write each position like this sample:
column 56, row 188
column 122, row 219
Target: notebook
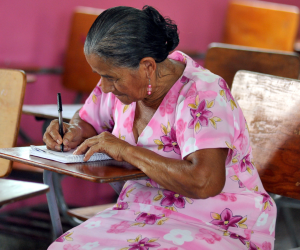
column 64, row 157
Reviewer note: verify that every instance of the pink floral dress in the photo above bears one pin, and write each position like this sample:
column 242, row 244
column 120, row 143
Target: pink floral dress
column 198, row 112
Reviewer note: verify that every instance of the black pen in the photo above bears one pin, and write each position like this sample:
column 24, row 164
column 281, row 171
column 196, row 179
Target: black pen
column 60, row 120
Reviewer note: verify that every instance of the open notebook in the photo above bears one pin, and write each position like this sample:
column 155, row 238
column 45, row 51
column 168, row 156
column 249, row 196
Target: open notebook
column 64, row 157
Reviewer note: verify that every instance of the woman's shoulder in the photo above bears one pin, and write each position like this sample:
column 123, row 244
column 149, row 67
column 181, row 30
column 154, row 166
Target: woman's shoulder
column 196, row 78
column 202, row 82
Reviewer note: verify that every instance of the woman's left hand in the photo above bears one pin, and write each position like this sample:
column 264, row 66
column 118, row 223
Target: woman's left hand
column 103, row 143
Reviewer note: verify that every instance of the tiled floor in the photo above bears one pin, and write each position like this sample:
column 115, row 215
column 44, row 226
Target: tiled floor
column 23, row 240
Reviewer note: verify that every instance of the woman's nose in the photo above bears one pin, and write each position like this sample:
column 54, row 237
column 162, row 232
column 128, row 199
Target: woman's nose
column 107, row 87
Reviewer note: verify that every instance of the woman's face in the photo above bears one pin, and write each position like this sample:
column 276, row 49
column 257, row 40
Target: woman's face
column 128, row 85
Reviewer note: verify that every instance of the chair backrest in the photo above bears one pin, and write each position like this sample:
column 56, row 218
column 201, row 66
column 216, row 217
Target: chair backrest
column 271, row 107
column 12, row 89
column 225, row 60
column 78, row 75
column 261, row 24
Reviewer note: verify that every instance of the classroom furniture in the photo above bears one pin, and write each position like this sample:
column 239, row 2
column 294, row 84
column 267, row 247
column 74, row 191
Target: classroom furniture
column 77, row 74
column 12, row 89
column 226, row 59
column 49, row 111
column 261, row 24
column 109, row 171
column 270, row 106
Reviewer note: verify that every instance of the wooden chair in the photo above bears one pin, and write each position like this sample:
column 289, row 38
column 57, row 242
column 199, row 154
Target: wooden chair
column 271, row 107
column 261, row 24
column 12, row 89
column 226, row 59
column 77, row 74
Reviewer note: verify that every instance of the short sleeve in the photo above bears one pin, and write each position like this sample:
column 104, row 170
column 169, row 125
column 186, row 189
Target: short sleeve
column 204, row 119
column 98, row 110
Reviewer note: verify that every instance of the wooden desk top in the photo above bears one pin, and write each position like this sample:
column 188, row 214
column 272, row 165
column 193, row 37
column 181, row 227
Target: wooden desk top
column 11, row 190
column 98, row 171
column 50, row 111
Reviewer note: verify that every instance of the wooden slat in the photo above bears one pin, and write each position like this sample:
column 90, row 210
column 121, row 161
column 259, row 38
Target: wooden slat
column 84, row 213
column 225, row 60
column 261, row 24
column 271, row 108
column 11, row 190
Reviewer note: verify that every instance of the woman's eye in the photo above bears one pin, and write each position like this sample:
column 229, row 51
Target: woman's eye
column 111, row 80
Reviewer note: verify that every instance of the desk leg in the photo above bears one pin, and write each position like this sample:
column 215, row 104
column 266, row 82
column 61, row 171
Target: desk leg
column 61, row 203
column 53, row 209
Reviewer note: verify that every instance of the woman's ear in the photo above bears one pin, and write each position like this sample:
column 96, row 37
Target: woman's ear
column 148, row 64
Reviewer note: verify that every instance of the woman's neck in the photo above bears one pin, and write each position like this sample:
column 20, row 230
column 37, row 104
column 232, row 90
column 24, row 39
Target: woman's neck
column 167, row 74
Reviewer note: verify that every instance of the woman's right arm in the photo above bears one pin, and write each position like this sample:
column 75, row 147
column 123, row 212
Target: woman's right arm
column 75, row 133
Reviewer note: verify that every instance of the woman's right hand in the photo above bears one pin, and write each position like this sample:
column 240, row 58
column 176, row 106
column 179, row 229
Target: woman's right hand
column 72, row 136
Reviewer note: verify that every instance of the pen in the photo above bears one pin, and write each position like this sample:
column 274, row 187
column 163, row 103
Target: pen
column 60, row 120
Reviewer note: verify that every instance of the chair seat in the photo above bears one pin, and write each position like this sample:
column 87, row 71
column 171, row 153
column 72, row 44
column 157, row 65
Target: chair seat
column 11, row 190
column 84, row 213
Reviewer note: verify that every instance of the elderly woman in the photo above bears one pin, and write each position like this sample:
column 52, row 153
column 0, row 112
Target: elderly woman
column 180, row 125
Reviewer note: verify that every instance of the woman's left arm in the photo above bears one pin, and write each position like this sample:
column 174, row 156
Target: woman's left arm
column 200, row 175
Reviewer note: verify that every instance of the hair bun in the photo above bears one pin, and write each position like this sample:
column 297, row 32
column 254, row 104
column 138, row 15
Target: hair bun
column 126, row 35
column 166, row 25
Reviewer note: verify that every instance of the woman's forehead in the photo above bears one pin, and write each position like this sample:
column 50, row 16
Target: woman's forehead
column 106, row 68
column 98, row 64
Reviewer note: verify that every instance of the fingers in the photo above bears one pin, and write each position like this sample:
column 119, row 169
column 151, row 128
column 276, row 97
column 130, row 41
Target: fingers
column 90, row 152
column 52, row 130
column 68, row 137
column 84, row 147
column 73, row 136
column 52, row 138
column 50, row 143
column 96, row 148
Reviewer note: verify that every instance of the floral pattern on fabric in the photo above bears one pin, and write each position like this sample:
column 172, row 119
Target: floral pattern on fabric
column 168, row 142
column 201, row 116
column 199, row 112
column 142, row 244
column 150, row 219
column 170, row 199
column 226, row 219
column 225, row 92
